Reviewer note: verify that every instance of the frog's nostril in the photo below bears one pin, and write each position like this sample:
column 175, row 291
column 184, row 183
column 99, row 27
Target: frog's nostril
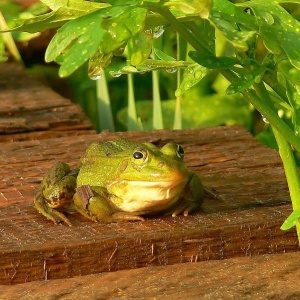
column 161, row 164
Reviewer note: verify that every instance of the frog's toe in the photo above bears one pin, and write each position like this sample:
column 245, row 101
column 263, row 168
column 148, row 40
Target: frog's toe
column 56, row 216
column 124, row 216
column 185, row 209
column 51, row 214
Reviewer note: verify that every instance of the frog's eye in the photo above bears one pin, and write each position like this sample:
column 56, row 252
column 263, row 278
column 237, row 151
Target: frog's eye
column 180, row 151
column 138, row 155
column 173, row 150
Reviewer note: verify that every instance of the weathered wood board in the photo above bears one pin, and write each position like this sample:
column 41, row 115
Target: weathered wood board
column 259, row 277
column 246, row 174
column 31, row 110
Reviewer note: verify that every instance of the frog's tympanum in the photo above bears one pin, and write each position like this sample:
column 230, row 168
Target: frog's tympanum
column 121, row 180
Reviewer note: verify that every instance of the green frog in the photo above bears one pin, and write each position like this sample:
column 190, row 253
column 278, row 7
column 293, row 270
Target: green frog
column 121, row 180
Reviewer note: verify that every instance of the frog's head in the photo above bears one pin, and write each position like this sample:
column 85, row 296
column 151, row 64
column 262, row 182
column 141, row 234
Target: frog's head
column 151, row 179
column 149, row 163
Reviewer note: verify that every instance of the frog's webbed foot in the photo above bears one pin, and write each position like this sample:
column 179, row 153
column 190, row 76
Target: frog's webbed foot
column 55, row 216
column 120, row 216
column 185, row 208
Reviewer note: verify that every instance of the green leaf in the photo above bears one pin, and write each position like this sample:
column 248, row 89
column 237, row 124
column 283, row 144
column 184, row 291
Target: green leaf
column 191, row 76
column 79, row 5
column 106, row 30
column 230, row 12
column 163, row 56
column 226, row 17
column 291, row 77
column 141, row 47
column 246, row 79
column 43, row 22
column 211, row 61
column 279, row 30
column 199, row 7
column 63, row 11
column 291, row 220
column 130, row 2
column 36, row 9
column 78, row 40
column 151, row 65
column 119, row 30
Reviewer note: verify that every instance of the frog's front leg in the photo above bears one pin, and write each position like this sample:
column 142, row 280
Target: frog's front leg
column 97, row 206
column 55, row 194
column 192, row 198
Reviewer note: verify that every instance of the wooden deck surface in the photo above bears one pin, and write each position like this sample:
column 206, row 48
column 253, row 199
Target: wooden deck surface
column 31, row 110
column 228, row 250
column 261, row 277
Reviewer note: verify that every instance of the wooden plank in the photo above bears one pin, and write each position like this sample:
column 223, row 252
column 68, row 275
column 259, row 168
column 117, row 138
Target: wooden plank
column 247, row 175
column 260, row 277
column 31, row 110
column 32, row 250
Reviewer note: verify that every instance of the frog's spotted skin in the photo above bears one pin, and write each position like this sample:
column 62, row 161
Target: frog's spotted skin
column 121, row 180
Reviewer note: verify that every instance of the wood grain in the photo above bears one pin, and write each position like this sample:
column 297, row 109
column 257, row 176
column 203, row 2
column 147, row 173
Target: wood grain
column 246, row 174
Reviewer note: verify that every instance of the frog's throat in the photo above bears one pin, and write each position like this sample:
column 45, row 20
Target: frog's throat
column 153, row 196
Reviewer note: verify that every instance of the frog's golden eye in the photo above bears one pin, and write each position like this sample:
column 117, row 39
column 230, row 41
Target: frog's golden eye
column 180, row 151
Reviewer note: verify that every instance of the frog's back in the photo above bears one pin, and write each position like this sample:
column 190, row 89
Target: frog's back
column 102, row 161
column 110, row 148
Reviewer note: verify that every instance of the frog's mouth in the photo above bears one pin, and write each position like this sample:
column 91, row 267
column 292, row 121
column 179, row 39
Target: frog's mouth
column 138, row 196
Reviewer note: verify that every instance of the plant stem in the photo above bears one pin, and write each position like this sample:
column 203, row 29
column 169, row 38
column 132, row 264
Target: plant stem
column 177, row 115
column 157, row 107
column 103, row 103
column 291, row 172
column 132, row 120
